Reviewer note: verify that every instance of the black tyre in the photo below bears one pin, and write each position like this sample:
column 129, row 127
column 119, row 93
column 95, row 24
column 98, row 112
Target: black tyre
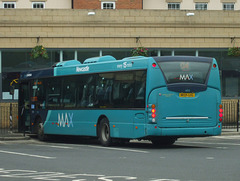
column 40, row 131
column 104, row 132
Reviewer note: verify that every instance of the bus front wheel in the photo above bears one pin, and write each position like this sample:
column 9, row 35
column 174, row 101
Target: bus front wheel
column 104, row 132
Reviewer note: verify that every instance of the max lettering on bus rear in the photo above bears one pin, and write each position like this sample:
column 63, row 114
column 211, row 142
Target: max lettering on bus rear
column 186, row 77
column 65, row 120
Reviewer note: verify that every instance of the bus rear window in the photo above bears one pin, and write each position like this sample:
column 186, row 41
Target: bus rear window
column 185, row 71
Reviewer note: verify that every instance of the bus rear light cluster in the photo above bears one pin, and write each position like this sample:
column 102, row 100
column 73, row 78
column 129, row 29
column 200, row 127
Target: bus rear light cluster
column 220, row 113
column 153, row 112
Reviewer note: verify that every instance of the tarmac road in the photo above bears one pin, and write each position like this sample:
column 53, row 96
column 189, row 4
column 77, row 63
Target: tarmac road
column 190, row 159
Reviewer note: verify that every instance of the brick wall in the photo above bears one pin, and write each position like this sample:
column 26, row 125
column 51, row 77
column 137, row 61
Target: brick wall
column 87, row 4
column 96, row 4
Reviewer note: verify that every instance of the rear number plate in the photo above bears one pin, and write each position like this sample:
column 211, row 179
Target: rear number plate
column 186, row 94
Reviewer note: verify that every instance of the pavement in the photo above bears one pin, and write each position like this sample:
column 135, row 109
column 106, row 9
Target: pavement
column 9, row 135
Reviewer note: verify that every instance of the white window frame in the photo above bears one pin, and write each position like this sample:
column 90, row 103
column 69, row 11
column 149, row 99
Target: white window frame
column 228, row 6
column 201, row 6
column 9, row 3
column 108, row 2
column 174, row 6
column 39, row 3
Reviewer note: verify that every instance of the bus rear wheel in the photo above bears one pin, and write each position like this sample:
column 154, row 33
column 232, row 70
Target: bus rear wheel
column 104, row 132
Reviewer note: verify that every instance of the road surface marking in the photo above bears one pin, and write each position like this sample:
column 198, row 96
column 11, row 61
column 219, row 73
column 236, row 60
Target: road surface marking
column 228, row 137
column 53, row 146
column 118, row 149
column 24, row 154
column 210, row 158
column 206, row 143
column 90, row 146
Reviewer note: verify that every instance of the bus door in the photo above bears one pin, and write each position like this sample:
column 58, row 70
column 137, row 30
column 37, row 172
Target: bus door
column 24, row 107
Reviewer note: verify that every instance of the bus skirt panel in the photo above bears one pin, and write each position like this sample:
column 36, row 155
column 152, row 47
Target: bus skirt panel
column 153, row 130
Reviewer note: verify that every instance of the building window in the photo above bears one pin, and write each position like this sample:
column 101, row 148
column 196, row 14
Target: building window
column 9, row 5
column 201, row 6
column 228, row 6
column 108, row 5
column 173, row 5
column 38, row 5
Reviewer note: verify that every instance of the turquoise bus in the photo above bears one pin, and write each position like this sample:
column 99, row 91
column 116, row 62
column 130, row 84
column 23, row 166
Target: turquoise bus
column 159, row 99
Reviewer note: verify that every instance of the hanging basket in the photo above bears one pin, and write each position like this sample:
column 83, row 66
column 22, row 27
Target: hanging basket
column 234, row 52
column 39, row 52
column 140, row 51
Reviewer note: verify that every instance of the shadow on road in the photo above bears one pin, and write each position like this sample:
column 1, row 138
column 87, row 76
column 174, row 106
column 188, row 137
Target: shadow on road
column 133, row 144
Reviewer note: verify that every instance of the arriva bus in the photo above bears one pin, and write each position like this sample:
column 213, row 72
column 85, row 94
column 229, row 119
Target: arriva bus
column 159, row 99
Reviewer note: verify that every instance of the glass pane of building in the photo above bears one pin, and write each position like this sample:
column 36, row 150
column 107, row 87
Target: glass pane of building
column 108, row 5
column 38, row 5
column 153, row 52
column 117, row 53
column 184, row 52
column 201, row 6
column 87, row 53
column 173, row 5
column 166, row 53
column 16, row 61
column 228, row 6
column 230, row 76
column 68, row 55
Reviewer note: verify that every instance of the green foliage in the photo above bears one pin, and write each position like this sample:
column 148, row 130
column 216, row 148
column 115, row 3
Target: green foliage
column 39, row 51
column 234, row 51
column 140, row 51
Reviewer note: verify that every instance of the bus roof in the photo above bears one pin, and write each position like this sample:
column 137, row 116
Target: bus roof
column 90, row 65
column 183, row 58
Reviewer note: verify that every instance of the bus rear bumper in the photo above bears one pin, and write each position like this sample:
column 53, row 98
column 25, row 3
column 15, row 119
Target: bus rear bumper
column 184, row 132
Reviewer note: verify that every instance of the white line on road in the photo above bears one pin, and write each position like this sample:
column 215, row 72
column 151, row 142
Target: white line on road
column 53, row 146
column 24, row 154
column 99, row 147
column 207, row 143
column 228, row 137
column 210, row 158
column 119, row 149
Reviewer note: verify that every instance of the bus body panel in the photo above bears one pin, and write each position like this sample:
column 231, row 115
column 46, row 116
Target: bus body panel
column 198, row 111
column 120, row 65
column 152, row 130
column 123, row 123
column 175, row 116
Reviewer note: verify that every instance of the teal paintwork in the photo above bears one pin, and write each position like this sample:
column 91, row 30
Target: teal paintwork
column 133, row 123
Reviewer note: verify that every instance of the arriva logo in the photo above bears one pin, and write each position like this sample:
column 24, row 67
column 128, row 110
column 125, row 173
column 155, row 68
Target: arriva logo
column 65, row 120
column 82, row 69
column 186, row 77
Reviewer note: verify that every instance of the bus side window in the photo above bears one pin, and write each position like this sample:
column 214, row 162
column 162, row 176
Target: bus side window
column 38, row 94
column 140, row 83
column 53, row 93
column 123, row 90
column 69, row 93
column 88, row 93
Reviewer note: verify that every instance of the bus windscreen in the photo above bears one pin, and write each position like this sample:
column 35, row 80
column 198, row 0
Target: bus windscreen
column 185, row 71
